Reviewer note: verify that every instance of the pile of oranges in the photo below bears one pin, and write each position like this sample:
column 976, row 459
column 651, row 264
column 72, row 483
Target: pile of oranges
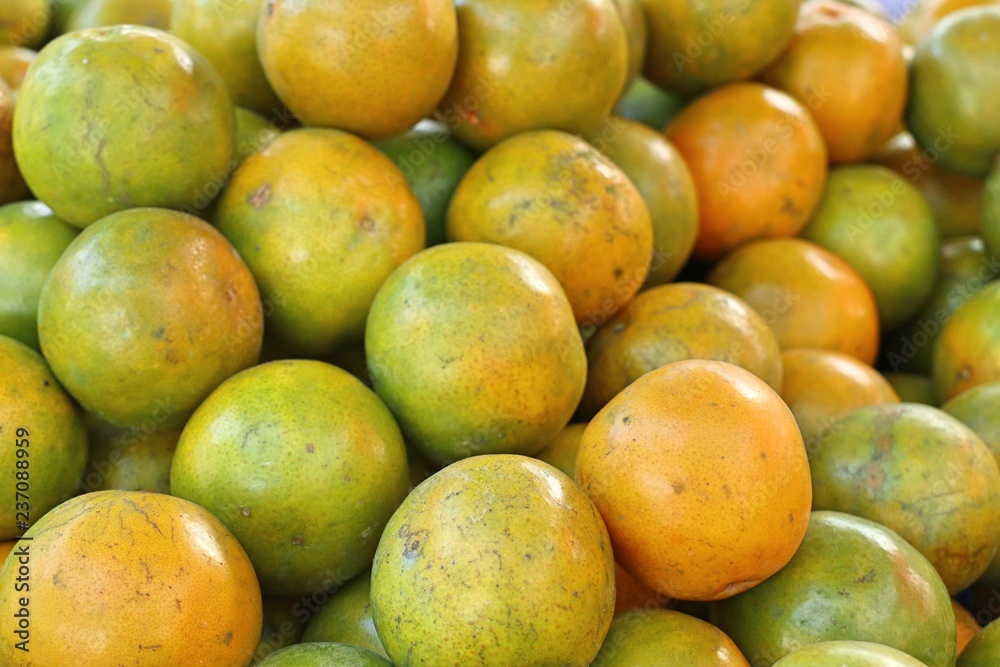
column 499, row 333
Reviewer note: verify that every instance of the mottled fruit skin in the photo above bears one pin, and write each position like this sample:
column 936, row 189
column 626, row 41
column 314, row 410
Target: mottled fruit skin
column 321, row 218
column 12, row 186
column 347, row 618
column 968, row 351
column 809, row 296
column 848, row 654
column 983, row 650
column 852, row 579
column 674, row 322
column 702, row 44
column 668, row 639
column 146, row 579
column 324, row 655
column 371, row 68
column 500, row 89
column 821, row 386
column 660, row 174
column 31, row 241
column 303, row 463
column 122, row 117
column 225, row 32
column 946, row 114
column 508, row 541
column 555, row 197
column 561, row 452
column 146, row 313
column 491, row 361
column 920, row 472
column 40, row 419
column 700, row 473
column 132, row 459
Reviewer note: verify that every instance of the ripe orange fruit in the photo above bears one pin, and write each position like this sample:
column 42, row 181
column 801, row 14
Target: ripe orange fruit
column 701, row 476
column 965, row 625
column 848, row 67
column 666, row 637
column 809, row 296
column 758, row 163
column 561, row 452
column 968, row 350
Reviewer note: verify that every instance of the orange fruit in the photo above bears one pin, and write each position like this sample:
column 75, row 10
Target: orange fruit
column 12, row 186
column 555, row 197
column 822, row 386
column 913, row 388
column 965, row 625
column 347, row 617
column 14, row 64
column 5, row 549
column 132, row 578
column 809, row 296
column 674, row 322
column 561, row 452
column 968, row 351
column 926, row 14
column 695, row 45
column 848, row 654
column 634, row 19
column 630, row 593
column 501, row 87
column 984, row 649
column 369, row 68
column 702, row 479
column 666, row 637
column 758, row 163
column 848, row 67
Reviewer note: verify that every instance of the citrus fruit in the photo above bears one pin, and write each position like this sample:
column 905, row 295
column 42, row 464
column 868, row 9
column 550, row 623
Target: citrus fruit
column 509, row 541
column 98, row 13
column 966, row 626
column 321, row 218
column 284, row 621
column 12, row 186
column 373, row 69
column 171, row 582
column 852, row 579
column 253, row 133
column 324, row 655
column 923, row 16
column 555, row 197
column 630, row 593
column 24, row 22
column 45, row 440
column 31, row 241
column 132, row 459
column 913, row 388
column 990, row 201
column 634, row 20
column 122, row 117
column 675, row 322
column 645, row 103
column 500, row 86
column 146, row 313
column 807, row 295
column 303, row 463
column 561, row 452
column 700, row 474
column 668, row 639
column 968, row 352
column 14, row 64
column 983, row 650
column 758, row 163
column 347, row 618
column 848, row 654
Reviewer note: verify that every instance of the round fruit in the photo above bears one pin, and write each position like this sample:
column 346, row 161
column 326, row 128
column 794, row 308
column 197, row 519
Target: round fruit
column 808, row 296
column 700, row 473
column 847, row 66
column 12, row 186
column 324, row 655
column 634, row 20
column 920, row 472
column 645, row 103
column 555, row 197
column 321, row 218
column 491, row 360
column 433, row 163
column 45, row 440
column 561, row 452
column 821, row 386
column 983, row 650
column 97, row 13
column 24, row 22
column 253, row 133
column 848, row 654
column 675, row 322
column 145, row 314
column 158, row 580
column 31, row 241
column 225, row 32
column 373, row 69
column 133, row 459
column 630, row 593
column 881, row 225
column 521, row 66
column 758, row 163
column 913, row 388
column 851, row 579
column 990, row 228
column 509, row 541
column 659, row 173
column 966, row 626
column 303, row 463
column 347, row 618
column 946, row 114
column 923, row 16
column 701, row 44
column 122, row 117
column 667, row 638
column 968, row 351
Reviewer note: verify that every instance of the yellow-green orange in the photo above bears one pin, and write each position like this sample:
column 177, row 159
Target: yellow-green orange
column 326, row 654
column 637, row 33
column 674, row 322
column 508, row 541
column 132, row 459
column 668, row 639
column 98, row 13
column 561, row 452
column 24, row 22
column 968, row 351
column 14, row 64
column 347, row 617
column 303, row 463
column 491, row 361
column 984, row 649
column 321, row 218
column 848, row 654
column 253, row 133
column 555, row 197
column 115, row 118
column 41, row 427
column 923, row 16
column 700, row 473
column 149, row 580
column 913, row 388
column 146, row 313
column 648, row 104
column 31, row 241
column 990, row 229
